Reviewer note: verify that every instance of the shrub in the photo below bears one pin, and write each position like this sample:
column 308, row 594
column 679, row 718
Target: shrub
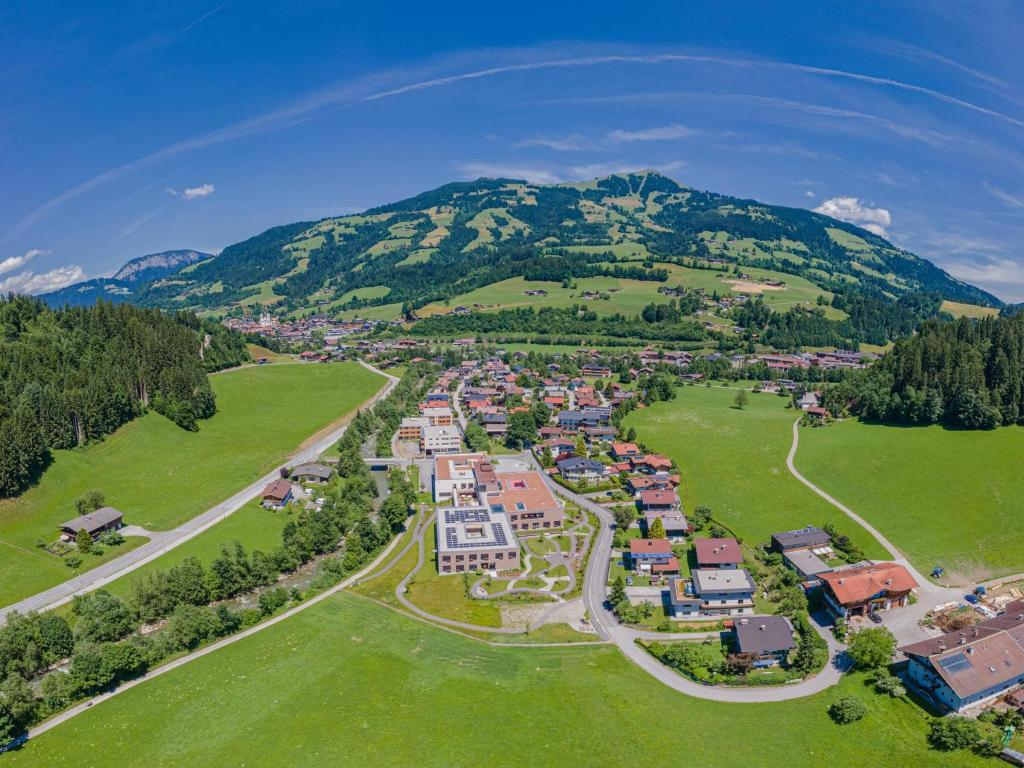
column 111, row 538
column 73, row 561
column 889, row 684
column 949, row 733
column 871, row 648
column 848, row 709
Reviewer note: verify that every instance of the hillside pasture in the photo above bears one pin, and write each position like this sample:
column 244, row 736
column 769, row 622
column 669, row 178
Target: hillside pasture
column 160, row 475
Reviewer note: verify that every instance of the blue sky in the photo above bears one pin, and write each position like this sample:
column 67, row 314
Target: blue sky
column 130, row 128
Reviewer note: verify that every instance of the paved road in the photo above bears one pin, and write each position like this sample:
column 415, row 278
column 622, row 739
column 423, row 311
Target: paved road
column 172, row 665
column 595, row 595
column 164, row 541
column 904, row 623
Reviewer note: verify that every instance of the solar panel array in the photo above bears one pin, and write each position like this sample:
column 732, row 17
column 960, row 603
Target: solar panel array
column 469, row 515
column 955, row 663
column 451, row 539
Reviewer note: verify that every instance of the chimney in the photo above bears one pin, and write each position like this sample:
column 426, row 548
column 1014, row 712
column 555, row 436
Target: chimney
column 842, row 581
column 762, row 627
column 970, row 650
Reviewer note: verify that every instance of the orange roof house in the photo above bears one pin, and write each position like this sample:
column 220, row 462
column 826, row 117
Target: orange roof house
column 863, row 589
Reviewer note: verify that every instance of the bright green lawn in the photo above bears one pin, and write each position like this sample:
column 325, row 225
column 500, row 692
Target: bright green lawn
column 735, row 462
column 159, row 475
column 949, row 498
column 254, row 526
column 350, row 683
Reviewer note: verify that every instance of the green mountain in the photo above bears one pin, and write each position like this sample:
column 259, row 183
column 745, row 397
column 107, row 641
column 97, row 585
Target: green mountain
column 463, row 236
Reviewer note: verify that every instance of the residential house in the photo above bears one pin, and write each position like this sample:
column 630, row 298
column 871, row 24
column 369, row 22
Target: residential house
column 411, row 428
column 659, row 482
column 311, row 473
column 718, row 553
column 277, row 494
column 801, row 538
column 655, row 500
column 862, row 589
column 625, row 451
column 767, row 639
column 440, row 440
column 495, row 424
column 809, row 400
column 712, row 592
column 653, row 556
column 973, row 665
column 95, row 523
column 578, row 468
column 651, row 463
column 675, row 524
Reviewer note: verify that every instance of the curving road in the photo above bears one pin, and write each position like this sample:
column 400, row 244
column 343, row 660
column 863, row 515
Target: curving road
column 164, row 541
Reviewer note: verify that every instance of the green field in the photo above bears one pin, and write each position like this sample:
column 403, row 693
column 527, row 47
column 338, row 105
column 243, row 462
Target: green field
column 944, row 497
column 159, row 475
column 629, row 297
column 735, row 462
column 351, row 683
column 957, row 309
column 254, row 526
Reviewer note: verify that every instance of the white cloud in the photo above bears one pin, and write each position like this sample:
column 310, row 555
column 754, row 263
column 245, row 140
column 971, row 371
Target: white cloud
column 851, row 209
column 661, row 133
column 1004, row 277
column 1011, row 201
column 15, row 262
column 192, row 193
column 31, row 283
column 808, row 193
column 571, row 143
column 473, row 170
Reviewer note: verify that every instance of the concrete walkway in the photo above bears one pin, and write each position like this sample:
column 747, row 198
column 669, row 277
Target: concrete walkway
column 164, row 541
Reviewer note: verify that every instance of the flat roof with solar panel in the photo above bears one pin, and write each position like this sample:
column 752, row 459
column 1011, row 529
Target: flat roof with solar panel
column 474, row 528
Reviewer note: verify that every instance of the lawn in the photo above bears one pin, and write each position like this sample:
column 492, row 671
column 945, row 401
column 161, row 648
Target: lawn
column 944, row 497
column 350, row 683
column 159, row 475
column 254, row 526
column 734, row 462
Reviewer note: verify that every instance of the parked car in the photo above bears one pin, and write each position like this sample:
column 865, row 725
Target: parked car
column 971, row 599
column 875, row 617
column 629, row 581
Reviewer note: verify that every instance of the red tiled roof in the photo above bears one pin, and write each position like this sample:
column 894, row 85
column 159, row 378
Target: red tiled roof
column 658, row 497
column 857, row 584
column 650, row 547
column 278, row 490
column 670, row 566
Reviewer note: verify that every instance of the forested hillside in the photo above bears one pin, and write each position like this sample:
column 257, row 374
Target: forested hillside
column 73, row 375
column 465, row 235
column 967, row 374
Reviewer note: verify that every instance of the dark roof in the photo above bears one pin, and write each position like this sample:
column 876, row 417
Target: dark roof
column 763, row 634
column 278, row 490
column 317, row 470
column 801, row 538
column 1011, row 618
column 578, row 462
column 93, row 521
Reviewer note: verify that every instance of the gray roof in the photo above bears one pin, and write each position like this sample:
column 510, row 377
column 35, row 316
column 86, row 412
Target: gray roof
column 317, row 470
column 808, row 563
column 93, row 521
column 578, row 462
column 801, row 538
column 764, row 634
column 722, row 580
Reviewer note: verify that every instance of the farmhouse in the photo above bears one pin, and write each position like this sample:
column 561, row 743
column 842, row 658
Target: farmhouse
column 973, row 665
column 95, row 523
column 768, row 639
column 311, row 473
column 863, row 589
column 475, row 538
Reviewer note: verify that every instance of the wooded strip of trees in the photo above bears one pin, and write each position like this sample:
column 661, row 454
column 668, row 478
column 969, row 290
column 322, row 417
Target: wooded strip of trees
column 967, row 374
column 76, row 374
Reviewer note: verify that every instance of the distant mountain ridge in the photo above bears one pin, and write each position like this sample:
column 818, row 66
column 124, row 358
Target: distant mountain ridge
column 466, row 235
column 140, row 270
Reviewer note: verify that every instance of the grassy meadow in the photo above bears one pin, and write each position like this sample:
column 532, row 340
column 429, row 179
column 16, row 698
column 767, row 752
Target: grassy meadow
column 629, row 297
column 944, row 497
column 348, row 682
column 159, row 475
column 734, row 462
